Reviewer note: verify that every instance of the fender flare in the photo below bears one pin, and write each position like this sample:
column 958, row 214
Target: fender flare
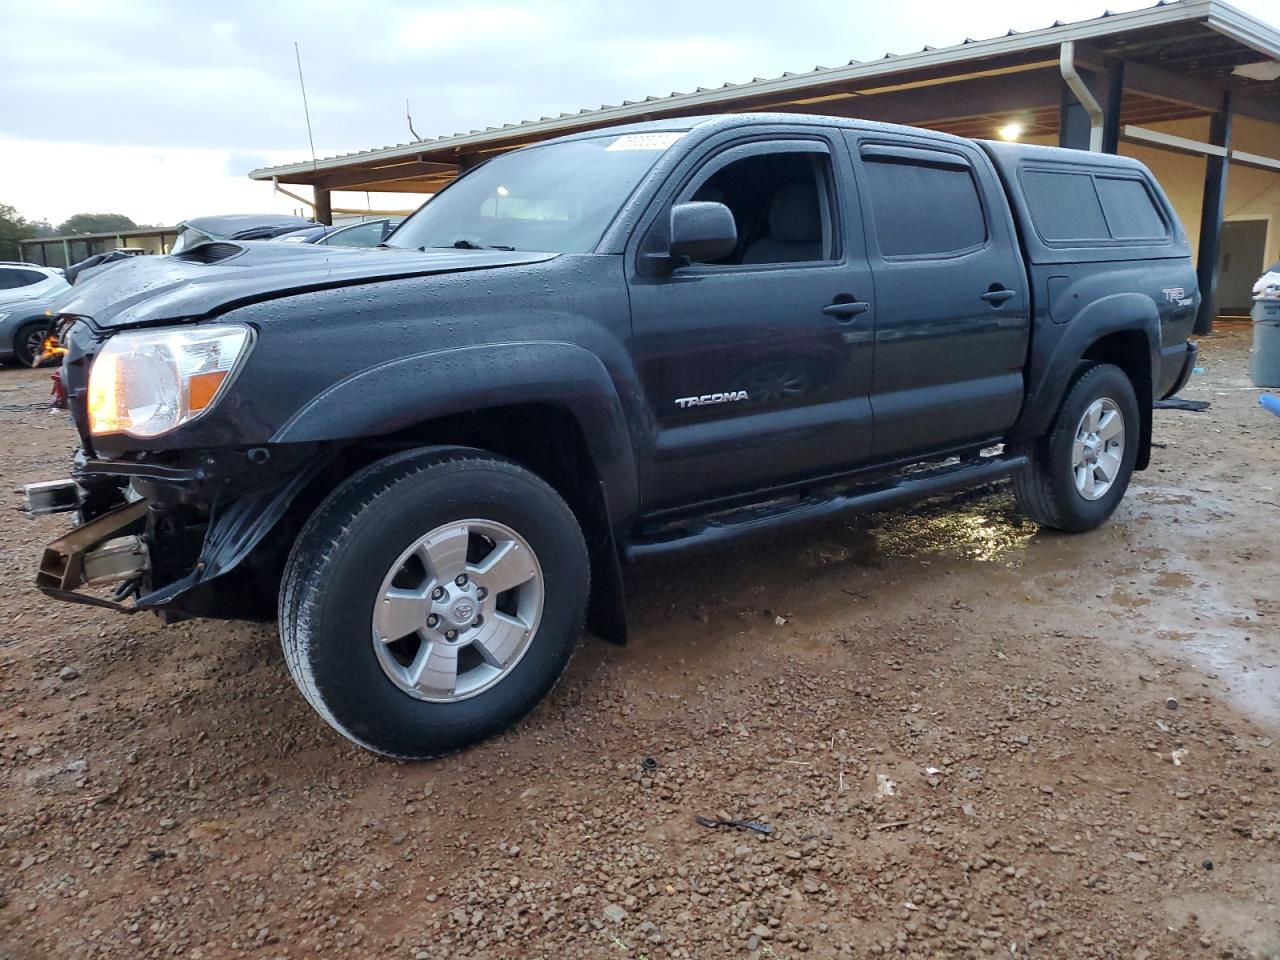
column 1051, row 376
column 406, row 392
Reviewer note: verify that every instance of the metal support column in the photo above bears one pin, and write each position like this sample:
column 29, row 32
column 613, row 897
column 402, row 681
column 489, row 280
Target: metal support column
column 1212, row 210
column 1115, row 98
column 1073, row 118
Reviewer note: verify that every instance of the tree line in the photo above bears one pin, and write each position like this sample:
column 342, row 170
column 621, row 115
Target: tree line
column 14, row 227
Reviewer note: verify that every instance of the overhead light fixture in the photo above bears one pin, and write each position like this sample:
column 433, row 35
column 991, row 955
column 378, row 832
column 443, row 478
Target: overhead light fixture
column 503, row 192
column 1010, row 131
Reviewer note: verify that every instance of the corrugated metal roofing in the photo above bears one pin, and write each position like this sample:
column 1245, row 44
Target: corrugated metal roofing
column 1221, row 16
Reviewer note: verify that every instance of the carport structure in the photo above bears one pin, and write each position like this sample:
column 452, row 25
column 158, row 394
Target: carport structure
column 1191, row 88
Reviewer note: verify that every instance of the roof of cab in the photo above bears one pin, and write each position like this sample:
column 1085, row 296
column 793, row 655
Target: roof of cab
column 708, row 123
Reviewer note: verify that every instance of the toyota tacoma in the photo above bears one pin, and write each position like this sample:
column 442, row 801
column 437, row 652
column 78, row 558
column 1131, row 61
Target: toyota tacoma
column 430, row 461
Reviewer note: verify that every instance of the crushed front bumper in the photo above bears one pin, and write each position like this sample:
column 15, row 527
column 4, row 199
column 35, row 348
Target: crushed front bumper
column 157, row 532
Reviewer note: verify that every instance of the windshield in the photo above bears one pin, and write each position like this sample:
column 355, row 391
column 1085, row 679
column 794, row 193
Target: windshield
column 557, row 198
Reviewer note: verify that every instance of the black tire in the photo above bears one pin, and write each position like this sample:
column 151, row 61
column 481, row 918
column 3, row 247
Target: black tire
column 1046, row 489
column 26, row 349
column 335, row 573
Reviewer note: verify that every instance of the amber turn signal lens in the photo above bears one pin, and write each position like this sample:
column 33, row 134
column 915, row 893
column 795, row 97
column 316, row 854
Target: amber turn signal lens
column 204, row 387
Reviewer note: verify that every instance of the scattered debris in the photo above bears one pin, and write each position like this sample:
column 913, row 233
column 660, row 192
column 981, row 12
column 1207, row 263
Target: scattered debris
column 1177, row 756
column 648, row 763
column 1172, row 703
column 893, row 825
column 67, row 674
column 1177, row 403
column 738, row 824
column 884, row 786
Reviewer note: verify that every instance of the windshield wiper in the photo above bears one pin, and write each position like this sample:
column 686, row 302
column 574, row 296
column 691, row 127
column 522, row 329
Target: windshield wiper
column 464, row 244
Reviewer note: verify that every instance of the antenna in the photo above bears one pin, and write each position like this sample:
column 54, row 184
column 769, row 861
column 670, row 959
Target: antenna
column 409, row 116
column 305, row 110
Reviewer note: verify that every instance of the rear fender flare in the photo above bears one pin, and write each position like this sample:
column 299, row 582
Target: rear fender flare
column 1051, row 376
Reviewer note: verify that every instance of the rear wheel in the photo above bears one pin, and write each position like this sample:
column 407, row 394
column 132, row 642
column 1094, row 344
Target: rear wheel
column 28, row 343
column 1079, row 471
column 433, row 600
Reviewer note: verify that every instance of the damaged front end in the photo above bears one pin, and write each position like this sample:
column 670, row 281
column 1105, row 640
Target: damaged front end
column 173, row 538
column 177, row 531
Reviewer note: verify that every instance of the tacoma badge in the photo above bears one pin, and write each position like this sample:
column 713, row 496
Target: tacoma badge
column 709, row 398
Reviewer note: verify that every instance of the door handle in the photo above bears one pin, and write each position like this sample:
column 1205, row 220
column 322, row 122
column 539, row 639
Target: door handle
column 846, row 310
column 997, row 297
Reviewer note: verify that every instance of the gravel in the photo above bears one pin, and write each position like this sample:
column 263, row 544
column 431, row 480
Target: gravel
column 188, row 803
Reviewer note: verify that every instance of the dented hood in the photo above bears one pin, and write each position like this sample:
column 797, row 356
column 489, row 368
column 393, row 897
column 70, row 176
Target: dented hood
column 214, row 277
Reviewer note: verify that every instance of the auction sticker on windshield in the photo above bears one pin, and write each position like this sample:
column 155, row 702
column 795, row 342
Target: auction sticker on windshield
column 644, row 141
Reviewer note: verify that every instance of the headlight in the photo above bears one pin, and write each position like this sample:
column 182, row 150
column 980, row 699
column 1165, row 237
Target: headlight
column 147, row 382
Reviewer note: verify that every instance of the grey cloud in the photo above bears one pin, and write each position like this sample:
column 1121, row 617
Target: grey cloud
column 223, row 76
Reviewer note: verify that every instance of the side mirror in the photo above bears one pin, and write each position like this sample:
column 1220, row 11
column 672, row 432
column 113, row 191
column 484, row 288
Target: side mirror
column 702, row 231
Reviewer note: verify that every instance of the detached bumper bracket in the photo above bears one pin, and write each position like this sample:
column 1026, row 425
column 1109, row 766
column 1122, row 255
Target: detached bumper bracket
column 62, row 565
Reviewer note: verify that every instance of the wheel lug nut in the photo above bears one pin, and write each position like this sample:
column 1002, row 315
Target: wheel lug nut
column 451, row 634
column 437, row 593
column 461, row 580
column 477, row 621
column 481, row 593
column 432, row 620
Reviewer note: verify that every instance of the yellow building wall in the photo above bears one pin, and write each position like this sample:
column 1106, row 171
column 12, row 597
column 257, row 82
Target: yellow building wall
column 1252, row 193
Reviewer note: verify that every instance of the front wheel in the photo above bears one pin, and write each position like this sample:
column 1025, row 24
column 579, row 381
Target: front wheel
column 1079, row 471
column 28, row 343
column 432, row 600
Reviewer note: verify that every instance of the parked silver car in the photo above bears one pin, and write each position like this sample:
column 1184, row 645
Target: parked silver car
column 27, row 291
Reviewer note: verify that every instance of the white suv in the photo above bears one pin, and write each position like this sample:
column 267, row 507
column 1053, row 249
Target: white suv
column 27, row 290
column 27, row 280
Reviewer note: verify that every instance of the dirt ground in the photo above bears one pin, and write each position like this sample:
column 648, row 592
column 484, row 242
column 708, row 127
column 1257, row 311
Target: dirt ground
column 968, row 738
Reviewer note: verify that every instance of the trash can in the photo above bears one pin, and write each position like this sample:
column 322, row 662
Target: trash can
column 1265, row 367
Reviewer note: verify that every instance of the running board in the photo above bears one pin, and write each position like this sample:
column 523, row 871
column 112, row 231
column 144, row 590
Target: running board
column 729, row 528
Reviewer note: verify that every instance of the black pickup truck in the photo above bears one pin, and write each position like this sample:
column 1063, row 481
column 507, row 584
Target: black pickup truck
column 431, row 460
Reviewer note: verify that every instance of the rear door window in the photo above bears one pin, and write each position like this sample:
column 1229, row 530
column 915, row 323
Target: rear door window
column 921, row 206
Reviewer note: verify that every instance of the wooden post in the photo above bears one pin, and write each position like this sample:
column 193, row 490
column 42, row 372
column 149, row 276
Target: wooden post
column 324, row 206
column 1212, row 210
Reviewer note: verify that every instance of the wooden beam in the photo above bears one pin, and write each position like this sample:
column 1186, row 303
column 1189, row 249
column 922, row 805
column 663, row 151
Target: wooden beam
column 360, row 178
column 1179, row 88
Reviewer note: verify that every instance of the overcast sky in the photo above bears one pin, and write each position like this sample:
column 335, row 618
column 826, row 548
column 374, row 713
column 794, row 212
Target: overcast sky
column 158, row 109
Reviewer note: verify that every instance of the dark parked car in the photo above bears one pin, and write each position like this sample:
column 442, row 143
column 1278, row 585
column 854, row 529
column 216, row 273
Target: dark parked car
column 366, row 233
column 238, row 226
column 433, row 459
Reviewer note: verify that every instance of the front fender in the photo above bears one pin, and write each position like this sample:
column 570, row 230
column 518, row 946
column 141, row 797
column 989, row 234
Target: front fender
column 408, row 391
column 1053, row 364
